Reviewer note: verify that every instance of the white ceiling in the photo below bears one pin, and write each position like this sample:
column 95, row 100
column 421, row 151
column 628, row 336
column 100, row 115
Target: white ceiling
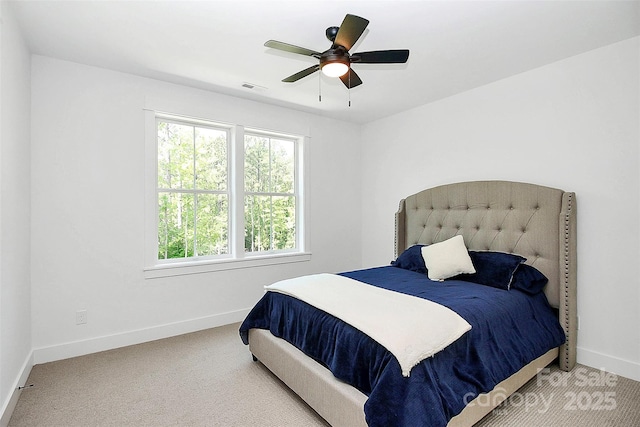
column 218, row 45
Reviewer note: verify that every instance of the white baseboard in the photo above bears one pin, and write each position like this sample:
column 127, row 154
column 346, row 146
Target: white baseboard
column 615, row 365
column 109, row 342
column 12, row 399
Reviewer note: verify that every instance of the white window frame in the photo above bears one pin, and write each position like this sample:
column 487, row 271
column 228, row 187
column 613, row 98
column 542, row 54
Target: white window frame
column 237, row 258
column 195, row 191
column 297, row 191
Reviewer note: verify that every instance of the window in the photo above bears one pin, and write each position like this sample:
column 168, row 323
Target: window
column 221, row 196
column 270, row 199
column 193, row 190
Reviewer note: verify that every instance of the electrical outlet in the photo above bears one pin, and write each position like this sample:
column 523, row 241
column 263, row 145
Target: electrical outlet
column 81, row 317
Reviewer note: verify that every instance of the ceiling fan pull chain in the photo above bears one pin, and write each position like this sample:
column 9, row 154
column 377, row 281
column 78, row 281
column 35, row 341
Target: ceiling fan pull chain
column 349, row 89
column 319, row 87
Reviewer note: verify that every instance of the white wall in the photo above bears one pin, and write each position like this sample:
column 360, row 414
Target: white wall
column 573, row 125
column 88, row 210
column 15, row 295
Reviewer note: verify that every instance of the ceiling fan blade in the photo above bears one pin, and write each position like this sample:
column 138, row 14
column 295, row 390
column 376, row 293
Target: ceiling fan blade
column 398, row 56
column 350, row 31
column 300, row 74
column 291, row 48
column 351, row 79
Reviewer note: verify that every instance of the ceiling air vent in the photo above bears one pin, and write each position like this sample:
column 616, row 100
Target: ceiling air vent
column 248, row 85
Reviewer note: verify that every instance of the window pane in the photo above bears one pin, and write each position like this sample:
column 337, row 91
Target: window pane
column 270, row 223
column 213, row 225
column 175, row 155
column 256, row 164
column 282, row 166
column 284, row 222
column 175, row 225
column 211, row 159
column 257, row 217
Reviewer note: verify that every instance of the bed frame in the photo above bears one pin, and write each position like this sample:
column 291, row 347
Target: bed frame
column 536, row 222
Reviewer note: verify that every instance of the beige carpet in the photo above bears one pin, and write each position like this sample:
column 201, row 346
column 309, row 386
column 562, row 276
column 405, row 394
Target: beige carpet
column 208, row 379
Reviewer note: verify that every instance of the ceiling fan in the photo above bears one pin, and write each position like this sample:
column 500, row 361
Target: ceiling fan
column 336, row 61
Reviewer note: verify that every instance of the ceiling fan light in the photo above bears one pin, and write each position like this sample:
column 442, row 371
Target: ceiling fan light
column 335, row 69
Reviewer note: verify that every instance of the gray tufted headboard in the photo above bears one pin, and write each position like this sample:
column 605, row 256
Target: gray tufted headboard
column 536, row 222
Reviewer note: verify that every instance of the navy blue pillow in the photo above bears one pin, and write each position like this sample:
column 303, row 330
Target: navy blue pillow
column 495, row 269
column 528, row 279
column 411, row 259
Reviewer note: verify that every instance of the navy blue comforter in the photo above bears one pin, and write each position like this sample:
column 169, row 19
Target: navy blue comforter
column 509, row 330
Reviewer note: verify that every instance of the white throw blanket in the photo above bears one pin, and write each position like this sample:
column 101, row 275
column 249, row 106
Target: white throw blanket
column 411, row 328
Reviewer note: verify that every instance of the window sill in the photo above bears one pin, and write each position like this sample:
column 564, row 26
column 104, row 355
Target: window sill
column 196, row 267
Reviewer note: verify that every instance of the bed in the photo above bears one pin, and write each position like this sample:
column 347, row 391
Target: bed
column 535, row 222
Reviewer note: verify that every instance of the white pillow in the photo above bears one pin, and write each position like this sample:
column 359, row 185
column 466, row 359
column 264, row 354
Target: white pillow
column 447, row 259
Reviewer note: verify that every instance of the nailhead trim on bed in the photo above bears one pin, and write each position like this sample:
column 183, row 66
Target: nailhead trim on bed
column 568, row 303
